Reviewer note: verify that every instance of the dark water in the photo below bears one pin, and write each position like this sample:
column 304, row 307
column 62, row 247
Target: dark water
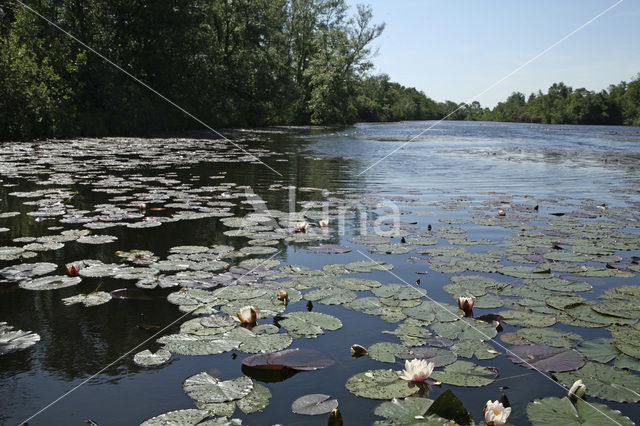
column 455, row 161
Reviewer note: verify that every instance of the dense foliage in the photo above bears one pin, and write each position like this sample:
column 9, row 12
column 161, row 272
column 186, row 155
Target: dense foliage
column 230, row 63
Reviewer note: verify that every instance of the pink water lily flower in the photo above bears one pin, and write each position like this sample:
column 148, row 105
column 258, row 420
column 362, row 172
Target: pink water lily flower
column 466, row 304
column 416, row 370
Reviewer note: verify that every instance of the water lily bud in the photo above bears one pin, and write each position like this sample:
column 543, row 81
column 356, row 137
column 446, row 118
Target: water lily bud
column 142, row 207
column 282, row 294
column 324, row 223
column 358, row 350
column 73, row 270
column 466, row 304
column 578, row 389
column 501, row 213
column 495, row 414
column 248, row 315
column 301, row 227
column 335, row 418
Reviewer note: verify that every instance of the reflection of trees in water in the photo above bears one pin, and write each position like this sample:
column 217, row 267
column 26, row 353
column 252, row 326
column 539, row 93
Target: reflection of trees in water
column 78, row 341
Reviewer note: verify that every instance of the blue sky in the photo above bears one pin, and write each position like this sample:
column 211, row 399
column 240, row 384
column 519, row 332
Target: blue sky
column 455, row 49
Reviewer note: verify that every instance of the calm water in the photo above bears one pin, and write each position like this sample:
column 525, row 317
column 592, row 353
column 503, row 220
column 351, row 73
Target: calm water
column 455, row 162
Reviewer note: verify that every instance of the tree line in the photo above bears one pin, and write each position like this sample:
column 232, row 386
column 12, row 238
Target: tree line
column 229, row 63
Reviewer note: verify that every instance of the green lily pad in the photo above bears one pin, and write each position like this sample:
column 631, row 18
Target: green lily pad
column 469, row 348
column 399, row 291
column 587, row 314
column 185, row 344
column 527, row 319
column 560, row 411
column 403, row 411
column 189, row 416
column 331, row 296
column 465, row 373
column 385, row 351
column 52, row 282
column 309, row 324
column 15, row 340
column 430, row 310
column 564, row 301
column 147, row 358
column 314, row 404
column 380, row 384
column 410, row 334
column 256, row 400
column 88, row 300
column 622, row 309
column 204, row 388
column 557, row 284
column 465, row 329
column 600, row 350
column 439, row 357
column 628, row 348
column 259, row 343
column 448, row 406
column 604, row 382
column 549, row 336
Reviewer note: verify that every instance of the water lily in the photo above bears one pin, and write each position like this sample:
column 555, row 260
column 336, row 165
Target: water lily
column 335, row 418
column 301, row 226
column 358, row 350
column 578, row 389
column 466, row 304
column 283, row 295
column 324, row 223
column 495, row 414
column 416, row 370
column 248, row 315
column 501, row 213
column 73, row 270
column 142, row 207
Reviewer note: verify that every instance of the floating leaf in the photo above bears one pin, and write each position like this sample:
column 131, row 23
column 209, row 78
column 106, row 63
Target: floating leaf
column 560, row 411
column 257, row 399
column 330, row 249
column 52, row 282
column 449, row 406
column 439, row 357
column 465, row 329
column 600, row 350
column 190, row 416
column 309, row 324
column 295, row 359
column 256, row 343
column 15, row 340
column 464, row 373
column 380, row 384
column 88, row 300
column 604, row 382
column 331, row 296
column 147, row 358
column 385, row 351
column 549, row 336
column 399, row 291
column 314, row 404
column 403, row 411
column 546, row 358
column 204, row 388
column 185, row 344
column 469, row 348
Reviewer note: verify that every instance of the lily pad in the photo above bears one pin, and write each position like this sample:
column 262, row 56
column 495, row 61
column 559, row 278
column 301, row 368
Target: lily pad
column 465, row 373
column 15, row 340
column 600, row 350
column 527, row 319
column 309, row 324
column 147, row 358
column 385, row 351
column 256, row 400
column 465, row 329
column 52, row 282
column 546, row 358
column 380, row 384
column 88, row 300
column 204, row 388
column 439, row 357
column 330, row 249
column 560, row 411
column 403, row 411
column 331, row 296
column 549, row 336
column 314, row 404
column 294, row 359
column 189, row 416
column 185, row 344
column 604, row 382
column 469, row 348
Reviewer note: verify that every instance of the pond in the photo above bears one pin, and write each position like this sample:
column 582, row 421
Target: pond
column 110, row 247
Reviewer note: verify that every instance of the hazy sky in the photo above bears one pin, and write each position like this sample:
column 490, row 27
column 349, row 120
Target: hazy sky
column 455, row 49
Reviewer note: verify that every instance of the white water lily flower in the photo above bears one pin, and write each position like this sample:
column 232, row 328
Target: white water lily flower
column 301, row 226
column 248, row 315
column 495, row 414
column 578, row 389
column 416, row 370
column 324, row 223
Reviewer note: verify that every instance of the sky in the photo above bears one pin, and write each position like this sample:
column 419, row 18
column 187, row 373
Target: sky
column 456, row 49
